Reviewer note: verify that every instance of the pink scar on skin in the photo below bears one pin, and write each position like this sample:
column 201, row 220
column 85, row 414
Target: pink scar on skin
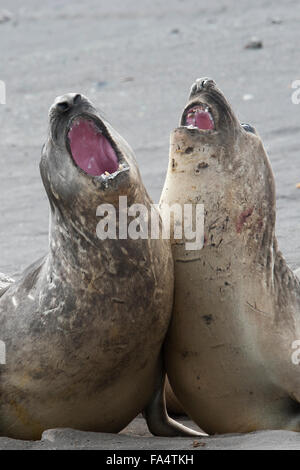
column 242, row 219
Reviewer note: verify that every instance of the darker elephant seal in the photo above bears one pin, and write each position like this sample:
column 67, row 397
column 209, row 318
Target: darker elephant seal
column 84, row 326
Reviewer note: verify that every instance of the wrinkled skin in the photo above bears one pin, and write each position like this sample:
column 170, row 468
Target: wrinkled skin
column 237, row 304
column 84, row 326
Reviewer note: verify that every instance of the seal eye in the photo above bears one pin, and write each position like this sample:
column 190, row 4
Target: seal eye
column 248, row 128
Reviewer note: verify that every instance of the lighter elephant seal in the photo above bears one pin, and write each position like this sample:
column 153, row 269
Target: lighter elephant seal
column 230, row 353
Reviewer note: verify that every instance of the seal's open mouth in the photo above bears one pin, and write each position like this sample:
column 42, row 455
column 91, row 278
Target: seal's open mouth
column 198, row 116
column 90, row 149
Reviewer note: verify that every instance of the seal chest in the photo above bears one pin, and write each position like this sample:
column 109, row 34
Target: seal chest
column 236, row 309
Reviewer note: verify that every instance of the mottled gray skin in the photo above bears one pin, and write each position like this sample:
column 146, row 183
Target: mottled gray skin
column 84, row 326
column 237, row 304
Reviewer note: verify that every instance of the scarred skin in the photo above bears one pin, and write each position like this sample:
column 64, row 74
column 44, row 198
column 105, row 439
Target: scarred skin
column 237, row 304
column 84, row 326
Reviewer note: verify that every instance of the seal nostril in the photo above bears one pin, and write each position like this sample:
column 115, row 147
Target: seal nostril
column 77, row 99
column 194, row 88
column 66, row 102
column 206, row 82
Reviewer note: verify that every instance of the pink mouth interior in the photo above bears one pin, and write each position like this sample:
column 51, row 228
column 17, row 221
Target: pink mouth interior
column 91, row 151
column 200, row 117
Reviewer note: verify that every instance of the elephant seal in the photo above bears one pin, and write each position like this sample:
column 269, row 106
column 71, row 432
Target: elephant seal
column 237, row 304
column 84, row 326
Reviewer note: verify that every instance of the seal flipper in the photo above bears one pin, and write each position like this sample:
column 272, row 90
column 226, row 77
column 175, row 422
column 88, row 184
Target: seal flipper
column 5, row 283
column 158, row 421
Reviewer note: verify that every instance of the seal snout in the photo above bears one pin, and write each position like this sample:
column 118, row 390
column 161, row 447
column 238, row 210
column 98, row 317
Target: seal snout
column 201, row 84
column 91, row 150
column 76, row 126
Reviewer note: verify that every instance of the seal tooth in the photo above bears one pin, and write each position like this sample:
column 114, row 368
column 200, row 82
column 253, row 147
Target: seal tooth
column 107, row 173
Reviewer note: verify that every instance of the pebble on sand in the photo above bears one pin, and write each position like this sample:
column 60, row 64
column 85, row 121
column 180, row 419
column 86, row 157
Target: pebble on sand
column 5, row 16
column 248, row 97
column 254, row 43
